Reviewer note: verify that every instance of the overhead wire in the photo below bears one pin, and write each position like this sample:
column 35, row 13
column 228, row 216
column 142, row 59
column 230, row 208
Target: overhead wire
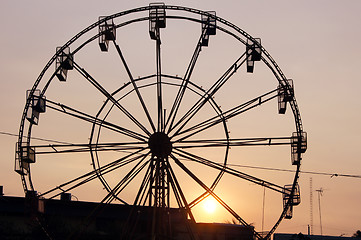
column 35, row 138
column 306, row 172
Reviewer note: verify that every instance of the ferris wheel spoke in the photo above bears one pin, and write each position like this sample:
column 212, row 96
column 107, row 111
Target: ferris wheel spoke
column 212, row 187
column 209, row 191
column 125, row 178
column 233, row 112
column 77, row 148
column 75, row 183
column 182, row 201
column 135, row 87
column 205, row 143
column 177, row 191
column 128, row 178
column 208, row 94
column 160, row 127
column 206, row 193
column 141, row 196
column 109, row 197
column 93, row 120
column 228, row 170
column 185, row 81
column 91, row 175
column 88, row 77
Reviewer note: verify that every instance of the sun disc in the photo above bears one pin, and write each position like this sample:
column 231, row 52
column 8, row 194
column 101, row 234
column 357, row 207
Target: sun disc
column 210, row 205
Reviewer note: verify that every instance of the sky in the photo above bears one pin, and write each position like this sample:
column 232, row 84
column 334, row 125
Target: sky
column 315, row 43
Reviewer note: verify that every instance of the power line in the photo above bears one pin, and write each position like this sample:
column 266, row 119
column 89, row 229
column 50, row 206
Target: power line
column 234, row 165
column 306, row 172
column 35, row 138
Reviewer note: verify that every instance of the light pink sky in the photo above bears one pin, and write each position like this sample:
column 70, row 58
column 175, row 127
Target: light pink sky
column 316, row 43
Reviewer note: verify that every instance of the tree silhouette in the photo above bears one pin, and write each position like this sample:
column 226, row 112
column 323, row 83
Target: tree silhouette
column 357, row 234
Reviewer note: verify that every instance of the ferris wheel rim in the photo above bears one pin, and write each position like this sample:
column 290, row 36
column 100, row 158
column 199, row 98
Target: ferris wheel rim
column 268, row 61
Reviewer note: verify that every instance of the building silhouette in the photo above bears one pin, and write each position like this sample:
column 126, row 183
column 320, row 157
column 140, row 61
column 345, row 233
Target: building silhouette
column 31, row 218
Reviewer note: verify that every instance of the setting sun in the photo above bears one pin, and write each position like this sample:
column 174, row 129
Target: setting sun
column 210, row 205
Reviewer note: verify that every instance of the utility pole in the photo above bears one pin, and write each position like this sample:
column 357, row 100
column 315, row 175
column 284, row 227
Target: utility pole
column 263, row 207
column 311, row 208
column 320, row 192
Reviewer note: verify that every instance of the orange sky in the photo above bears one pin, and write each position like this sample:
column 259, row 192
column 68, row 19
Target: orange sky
column 315, row 43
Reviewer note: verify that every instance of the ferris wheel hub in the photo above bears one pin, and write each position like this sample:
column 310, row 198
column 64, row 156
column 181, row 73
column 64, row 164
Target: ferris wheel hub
column 160, row 144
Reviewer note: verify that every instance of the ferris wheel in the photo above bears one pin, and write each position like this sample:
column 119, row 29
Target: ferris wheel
column 163, row 106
